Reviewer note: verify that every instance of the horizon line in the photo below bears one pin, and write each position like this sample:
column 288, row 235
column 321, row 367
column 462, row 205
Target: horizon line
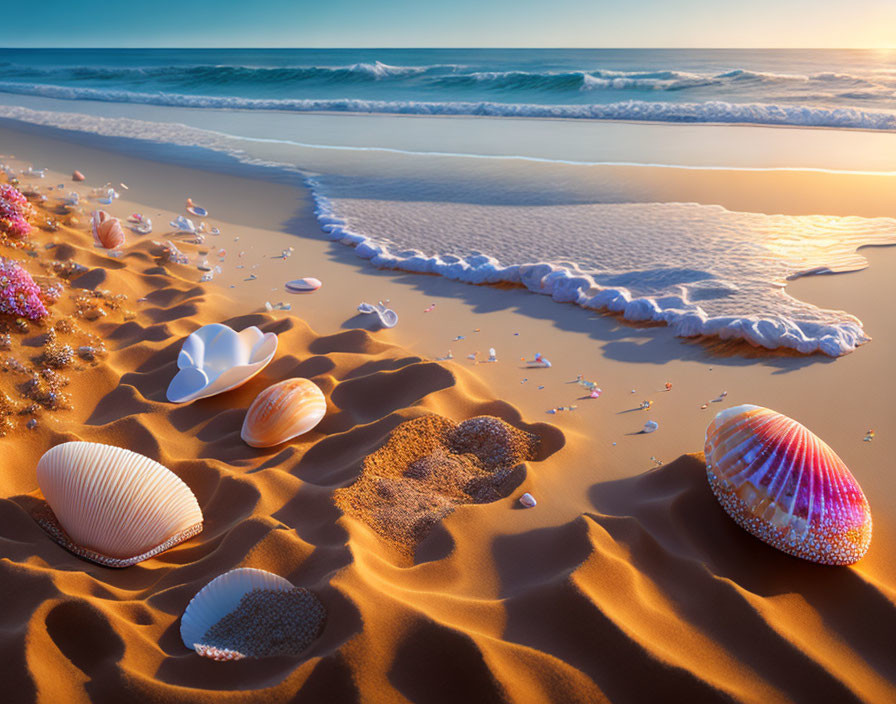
column 486, row 48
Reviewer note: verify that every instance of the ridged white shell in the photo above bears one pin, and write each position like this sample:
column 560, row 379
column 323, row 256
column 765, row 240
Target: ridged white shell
column 783, row 484
column 116, row 507
column 283, row 411
column 215, row 358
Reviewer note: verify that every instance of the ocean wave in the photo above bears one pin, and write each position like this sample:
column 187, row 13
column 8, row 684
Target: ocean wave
column 715, row 111
column 211, row 74
column 453, row 76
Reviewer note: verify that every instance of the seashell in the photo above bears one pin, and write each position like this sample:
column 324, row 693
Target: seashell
column 305, row 285
column 283, row 411
column 783, row 484
column 251, row 613
column 388, row 318
column 106, row 230
column 528, row 501
column 113, row 506
column 182, row 224
column 77, row 176
column 196, row 210
column 650, row 426
column 215, row 358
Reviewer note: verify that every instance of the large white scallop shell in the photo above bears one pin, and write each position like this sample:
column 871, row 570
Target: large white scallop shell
column 782, row 483
column 113, row 506
column 215, row 358
column 222, row 597
column 283, row 411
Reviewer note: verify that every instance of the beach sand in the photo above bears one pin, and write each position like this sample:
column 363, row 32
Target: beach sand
column 627, row 582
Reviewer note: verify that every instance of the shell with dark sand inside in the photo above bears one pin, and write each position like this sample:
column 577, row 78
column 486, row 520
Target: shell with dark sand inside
column 250, row 613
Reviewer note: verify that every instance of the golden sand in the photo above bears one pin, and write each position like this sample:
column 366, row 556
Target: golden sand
column 626, row 583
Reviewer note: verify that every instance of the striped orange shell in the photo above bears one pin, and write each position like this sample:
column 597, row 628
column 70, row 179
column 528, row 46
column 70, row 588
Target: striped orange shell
column 783, row 484
column 106, row 230
column 283, row 411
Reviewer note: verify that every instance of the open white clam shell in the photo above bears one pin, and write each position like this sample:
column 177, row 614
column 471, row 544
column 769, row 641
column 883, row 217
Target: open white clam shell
column 215, row 358
column 113, row 506
column 219, row 598
column 388, row 318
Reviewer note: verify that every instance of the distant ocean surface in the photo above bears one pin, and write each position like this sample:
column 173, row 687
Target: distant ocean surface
column 846, row 88
column 411, row 160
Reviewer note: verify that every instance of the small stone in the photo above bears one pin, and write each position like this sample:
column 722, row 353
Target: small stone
column 650, row 426
column 527, row 500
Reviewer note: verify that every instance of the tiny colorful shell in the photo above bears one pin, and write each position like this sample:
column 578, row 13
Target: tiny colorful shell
column 783, row 484
column 283, row 411
column 113, row 506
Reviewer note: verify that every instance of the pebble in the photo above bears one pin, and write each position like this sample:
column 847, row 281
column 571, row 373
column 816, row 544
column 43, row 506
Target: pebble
column 528, row 501
column 650, row 426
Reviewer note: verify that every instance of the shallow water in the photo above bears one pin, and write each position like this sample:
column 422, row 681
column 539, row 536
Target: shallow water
column 525, row 200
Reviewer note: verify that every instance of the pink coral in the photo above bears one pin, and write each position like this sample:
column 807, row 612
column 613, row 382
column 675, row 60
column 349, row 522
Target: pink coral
column 19, row 295
column 14, row 212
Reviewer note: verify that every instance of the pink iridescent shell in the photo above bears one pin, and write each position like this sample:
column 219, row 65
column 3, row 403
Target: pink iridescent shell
column 782, row 483
column 283, row 411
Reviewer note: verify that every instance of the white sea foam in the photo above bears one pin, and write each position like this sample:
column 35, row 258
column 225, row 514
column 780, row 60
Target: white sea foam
column 701, row 269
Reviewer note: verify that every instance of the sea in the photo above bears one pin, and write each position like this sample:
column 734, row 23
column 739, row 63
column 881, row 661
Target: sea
column 488, row 165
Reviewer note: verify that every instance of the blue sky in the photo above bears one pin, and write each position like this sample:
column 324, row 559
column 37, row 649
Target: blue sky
column 450, row 23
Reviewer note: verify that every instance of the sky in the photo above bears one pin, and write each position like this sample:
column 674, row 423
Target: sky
column 450, row 23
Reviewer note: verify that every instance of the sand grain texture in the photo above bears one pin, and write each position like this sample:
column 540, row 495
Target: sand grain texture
column 653, row 595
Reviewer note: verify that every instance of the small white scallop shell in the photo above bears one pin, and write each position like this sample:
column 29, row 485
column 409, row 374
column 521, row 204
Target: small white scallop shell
column 113, row 506
column 222, row 597
column 215, row 358
column 283, row 411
